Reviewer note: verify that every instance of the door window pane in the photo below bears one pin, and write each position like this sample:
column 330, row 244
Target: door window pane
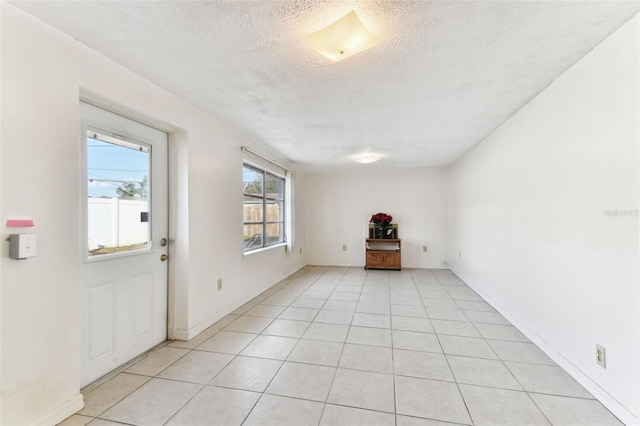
column 118, row 207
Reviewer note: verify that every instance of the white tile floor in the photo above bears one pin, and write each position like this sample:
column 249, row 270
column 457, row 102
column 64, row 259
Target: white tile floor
column 345, row 346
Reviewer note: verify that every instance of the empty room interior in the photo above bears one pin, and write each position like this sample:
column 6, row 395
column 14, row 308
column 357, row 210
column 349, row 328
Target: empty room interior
column 313, row 212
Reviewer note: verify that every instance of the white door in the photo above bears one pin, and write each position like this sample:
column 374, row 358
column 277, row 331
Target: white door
column 124, row 245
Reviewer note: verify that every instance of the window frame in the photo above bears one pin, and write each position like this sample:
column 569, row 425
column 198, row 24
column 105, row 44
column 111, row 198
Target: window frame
column 264, row 198
column 136, row 143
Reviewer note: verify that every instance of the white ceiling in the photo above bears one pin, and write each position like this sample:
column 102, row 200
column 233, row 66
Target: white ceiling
column 446, row 74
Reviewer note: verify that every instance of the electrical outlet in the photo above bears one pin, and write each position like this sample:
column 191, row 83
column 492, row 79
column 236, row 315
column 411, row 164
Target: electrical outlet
column 460, row 255
column 344, row 247
column 601, row 356
column 219, row 284
column 300, row 250
column 424, row 249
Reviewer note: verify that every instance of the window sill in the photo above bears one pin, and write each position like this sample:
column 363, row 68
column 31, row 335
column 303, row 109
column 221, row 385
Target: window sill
column 260, row 250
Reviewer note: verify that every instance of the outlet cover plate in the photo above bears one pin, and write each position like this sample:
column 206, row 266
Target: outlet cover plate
column 601, row 356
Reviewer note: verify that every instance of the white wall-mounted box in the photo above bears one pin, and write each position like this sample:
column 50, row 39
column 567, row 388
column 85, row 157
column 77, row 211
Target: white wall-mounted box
column 22, row 246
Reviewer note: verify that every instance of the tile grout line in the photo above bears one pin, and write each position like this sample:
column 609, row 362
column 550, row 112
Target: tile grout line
column 335, row 372
column 274, row 376
column 335, row 288
column 464, row 401
column 283, row 363
column 393, row 362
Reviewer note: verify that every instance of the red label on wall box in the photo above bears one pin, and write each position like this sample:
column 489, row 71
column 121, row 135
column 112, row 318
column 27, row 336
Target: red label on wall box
column 19, row 223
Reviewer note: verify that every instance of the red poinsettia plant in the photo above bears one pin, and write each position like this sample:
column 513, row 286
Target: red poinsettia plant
column 382, row 219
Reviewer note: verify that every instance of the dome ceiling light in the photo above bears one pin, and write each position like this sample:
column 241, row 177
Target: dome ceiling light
column 367, row 157
column 344, row 38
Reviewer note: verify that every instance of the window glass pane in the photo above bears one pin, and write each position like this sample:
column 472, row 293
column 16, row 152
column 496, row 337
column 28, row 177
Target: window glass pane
column 275, row 211
column 274, row 187
column 118, row 207
column 263, row 208
column 252, row 209
column 252, row 180
column 274, row 233
column 252, row 236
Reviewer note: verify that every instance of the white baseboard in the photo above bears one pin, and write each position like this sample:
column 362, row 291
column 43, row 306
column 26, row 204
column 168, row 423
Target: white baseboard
column 65, row 410
column 612, row 404
column 187, row 334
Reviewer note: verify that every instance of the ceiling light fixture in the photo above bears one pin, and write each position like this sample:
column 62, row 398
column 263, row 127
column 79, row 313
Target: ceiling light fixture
column 345, row 37
column 367, row 157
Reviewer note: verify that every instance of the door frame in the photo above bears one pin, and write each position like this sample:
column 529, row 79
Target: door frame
column 177, row 162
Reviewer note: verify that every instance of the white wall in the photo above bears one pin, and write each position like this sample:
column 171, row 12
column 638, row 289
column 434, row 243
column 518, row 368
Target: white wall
column 43, row 74
column 339, row 206
column 529, row 216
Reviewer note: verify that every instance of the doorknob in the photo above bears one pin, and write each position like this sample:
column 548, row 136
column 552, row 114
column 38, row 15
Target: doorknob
column 163, row 242
column 163, row 257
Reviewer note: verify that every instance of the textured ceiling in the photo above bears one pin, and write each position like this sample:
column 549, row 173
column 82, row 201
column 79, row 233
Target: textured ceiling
column 446, row 74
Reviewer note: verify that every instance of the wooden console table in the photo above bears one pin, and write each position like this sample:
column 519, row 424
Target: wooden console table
column 383, row 254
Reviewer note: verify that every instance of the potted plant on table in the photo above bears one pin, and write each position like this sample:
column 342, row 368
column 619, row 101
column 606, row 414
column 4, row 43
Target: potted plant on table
column 381, row 222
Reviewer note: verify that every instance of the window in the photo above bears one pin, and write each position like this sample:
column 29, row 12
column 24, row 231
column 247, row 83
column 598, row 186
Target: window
column 263, row 208
column 118, row 205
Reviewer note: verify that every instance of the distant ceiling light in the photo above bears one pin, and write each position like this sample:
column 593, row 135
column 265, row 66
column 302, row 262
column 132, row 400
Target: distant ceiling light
column 345, row 37
column 367, row 157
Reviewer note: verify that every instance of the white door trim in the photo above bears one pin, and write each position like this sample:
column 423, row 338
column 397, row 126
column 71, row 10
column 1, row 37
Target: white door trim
column 129, row 290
